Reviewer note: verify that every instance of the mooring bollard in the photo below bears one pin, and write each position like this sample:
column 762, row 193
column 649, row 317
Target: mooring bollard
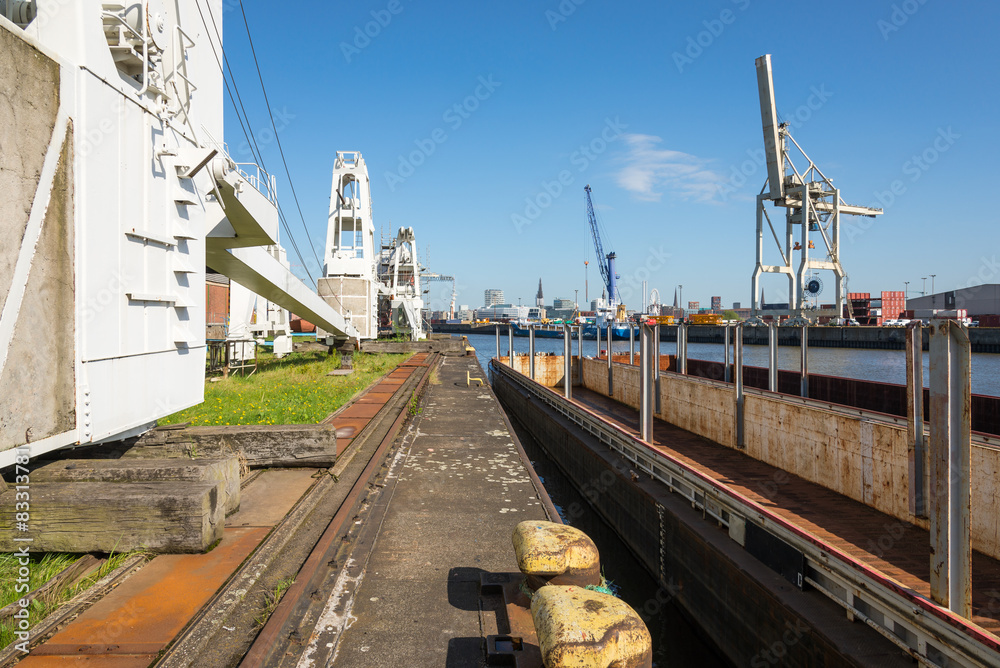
column 581, row 627
column 558, row 554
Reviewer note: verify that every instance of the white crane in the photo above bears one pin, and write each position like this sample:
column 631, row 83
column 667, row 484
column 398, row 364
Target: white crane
column 809, row 199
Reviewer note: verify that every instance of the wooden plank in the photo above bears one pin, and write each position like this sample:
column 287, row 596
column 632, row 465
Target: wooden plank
column 262, row 446
column 223, row 469
column 174, row 516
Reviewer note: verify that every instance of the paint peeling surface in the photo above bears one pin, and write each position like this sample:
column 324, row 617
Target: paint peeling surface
column 458, row 494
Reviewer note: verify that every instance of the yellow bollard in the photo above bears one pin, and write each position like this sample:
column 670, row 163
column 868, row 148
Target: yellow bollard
column 587, row 629
column 550, row 553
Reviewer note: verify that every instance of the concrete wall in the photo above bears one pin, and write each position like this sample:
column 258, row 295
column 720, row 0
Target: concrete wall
column 350, row 294
column 740, row 604
column 38, row 379
column 548, row 369
column 854, row 456
column 698, row 405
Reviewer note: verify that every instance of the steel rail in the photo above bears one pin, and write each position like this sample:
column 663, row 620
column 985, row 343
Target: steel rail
column 270, row 638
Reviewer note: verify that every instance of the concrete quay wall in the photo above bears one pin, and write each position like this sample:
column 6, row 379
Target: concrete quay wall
column 859, row 457
column 753, row 615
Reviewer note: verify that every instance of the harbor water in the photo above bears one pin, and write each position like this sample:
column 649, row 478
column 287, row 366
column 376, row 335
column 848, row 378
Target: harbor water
column 885, row 366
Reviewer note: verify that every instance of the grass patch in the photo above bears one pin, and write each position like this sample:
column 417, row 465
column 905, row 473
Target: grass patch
column 291, row 390
column 272, row 598
column 43, row 567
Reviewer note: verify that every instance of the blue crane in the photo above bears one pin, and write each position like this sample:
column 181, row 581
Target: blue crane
column 607, row 268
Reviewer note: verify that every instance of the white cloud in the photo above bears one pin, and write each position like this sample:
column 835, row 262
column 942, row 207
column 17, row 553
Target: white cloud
column 648, row 172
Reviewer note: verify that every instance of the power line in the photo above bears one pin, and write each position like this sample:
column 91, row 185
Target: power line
column 248, row 135
column 276, row 138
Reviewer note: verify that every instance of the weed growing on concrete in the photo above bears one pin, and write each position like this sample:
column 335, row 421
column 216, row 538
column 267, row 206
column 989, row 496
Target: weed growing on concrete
column 271, row 600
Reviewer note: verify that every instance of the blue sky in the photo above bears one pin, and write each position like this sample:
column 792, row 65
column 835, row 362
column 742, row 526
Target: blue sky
column 468, row 114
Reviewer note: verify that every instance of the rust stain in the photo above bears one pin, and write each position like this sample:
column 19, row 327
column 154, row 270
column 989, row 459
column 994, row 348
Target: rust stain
column 150, row 608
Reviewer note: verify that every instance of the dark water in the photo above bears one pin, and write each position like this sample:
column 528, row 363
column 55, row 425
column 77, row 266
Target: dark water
column 676, row 640
column 886, row 366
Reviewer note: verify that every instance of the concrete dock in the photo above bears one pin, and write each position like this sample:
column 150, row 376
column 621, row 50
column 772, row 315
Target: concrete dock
column 409, row 593
column 755, row 546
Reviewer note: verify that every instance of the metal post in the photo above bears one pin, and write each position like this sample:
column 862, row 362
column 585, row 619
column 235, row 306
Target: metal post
column 597, row 355
column 568, row 362
column 772, row 356
column 804, row 364
column 510, row 344
column 497, row 330
column 725, row 364
column 611, row 383
column 682, row 348
column 631, row 345
column 950, row 454
column 646, row 383
column 738, row 385
column 656, row 367
column 531, row 352
column 915, row 420
column 579, row 350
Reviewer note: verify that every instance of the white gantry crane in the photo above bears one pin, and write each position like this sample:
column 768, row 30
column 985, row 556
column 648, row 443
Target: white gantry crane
column 405, row 299
column 122, row 199
column 810, row 201
column 350, row 282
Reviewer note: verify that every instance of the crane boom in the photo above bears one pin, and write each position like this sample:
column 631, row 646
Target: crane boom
column 598, row 246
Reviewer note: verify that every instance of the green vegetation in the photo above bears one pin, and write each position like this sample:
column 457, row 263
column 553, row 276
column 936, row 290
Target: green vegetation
column 272, row 598
column 293, row 390
column 43, row 567
column 730, row 314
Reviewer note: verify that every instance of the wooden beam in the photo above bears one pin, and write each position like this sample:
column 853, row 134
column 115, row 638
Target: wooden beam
column 262, row 446
column 175, row 516
column 224, row 469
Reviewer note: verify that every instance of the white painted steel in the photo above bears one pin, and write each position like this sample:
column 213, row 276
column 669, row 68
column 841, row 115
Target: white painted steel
column 809, row 200
column 350, row 239
column 150, row 186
